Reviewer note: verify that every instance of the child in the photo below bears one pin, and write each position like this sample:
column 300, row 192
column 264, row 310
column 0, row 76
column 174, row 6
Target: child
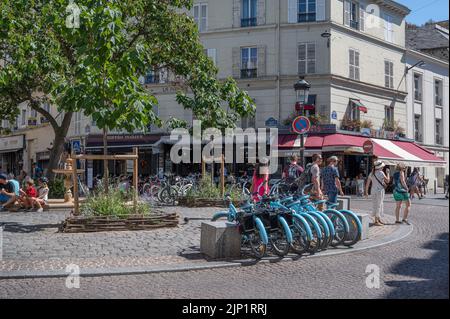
column 26, row 197
column 42, row 199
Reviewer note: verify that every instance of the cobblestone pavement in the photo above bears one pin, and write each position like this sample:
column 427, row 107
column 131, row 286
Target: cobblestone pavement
column 416, row 267
column 32, row 243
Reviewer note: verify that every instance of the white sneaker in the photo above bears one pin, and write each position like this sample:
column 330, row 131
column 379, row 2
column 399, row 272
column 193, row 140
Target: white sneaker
column 40, row 210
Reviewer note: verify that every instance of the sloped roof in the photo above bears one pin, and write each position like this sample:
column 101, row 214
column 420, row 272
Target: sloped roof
column 426, row 37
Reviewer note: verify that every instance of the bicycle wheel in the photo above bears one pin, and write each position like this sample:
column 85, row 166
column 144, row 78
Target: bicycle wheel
column 330, row 227
column 317, row 235
column 355, row 228
column 340, row 225
column 281, row 238
column 302, row 235
column 324, row 229
column 258, row 239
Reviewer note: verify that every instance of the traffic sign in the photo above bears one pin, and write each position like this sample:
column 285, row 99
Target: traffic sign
column 301, row 125
column 368, row 147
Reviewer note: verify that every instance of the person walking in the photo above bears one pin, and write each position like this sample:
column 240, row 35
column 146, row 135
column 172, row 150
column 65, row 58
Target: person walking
column 379, row 180
column 413, row 184
column 401, row 194
column 330, row 180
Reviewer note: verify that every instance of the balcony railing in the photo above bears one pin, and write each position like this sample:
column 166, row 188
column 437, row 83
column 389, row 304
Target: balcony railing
column 248, row 22
column 249, row 73
column 354, row 24
column 418, row 96
column 306, row 17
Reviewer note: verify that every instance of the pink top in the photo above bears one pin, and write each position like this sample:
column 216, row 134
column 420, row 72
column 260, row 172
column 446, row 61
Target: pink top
column 264, row 190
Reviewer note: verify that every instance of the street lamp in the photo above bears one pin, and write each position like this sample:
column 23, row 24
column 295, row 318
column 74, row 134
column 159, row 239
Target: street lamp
column 302, row 92
column 420, row 63
column 326, row 35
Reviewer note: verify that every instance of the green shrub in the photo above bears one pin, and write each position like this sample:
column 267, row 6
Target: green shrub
column 208, row 190
column 56, row 188
column 111, row 204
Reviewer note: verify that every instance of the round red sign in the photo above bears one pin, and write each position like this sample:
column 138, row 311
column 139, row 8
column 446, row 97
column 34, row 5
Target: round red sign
column 301, row 125
column 368, row 146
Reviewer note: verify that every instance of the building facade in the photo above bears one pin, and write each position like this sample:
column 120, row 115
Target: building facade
column 428, row 100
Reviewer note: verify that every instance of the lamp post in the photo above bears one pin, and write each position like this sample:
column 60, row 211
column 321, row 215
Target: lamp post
column 302, row 93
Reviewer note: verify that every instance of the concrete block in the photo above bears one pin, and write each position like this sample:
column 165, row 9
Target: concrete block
column 365, row 220
column 220, row 240
column 344, row 202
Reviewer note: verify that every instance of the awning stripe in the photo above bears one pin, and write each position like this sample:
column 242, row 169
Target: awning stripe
column 390, row 146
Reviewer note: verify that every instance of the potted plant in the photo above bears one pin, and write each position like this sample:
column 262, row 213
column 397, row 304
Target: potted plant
column 367, row 124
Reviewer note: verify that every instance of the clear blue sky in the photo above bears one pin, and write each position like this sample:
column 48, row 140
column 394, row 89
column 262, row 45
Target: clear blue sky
column 424, row 10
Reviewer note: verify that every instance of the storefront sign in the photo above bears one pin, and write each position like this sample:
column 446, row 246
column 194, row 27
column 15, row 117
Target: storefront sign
column 271, row 122
column 368, row 147
column 11, row 143
column 323, row 129
column 301, row 125
column 43, row 156
column 76, row 146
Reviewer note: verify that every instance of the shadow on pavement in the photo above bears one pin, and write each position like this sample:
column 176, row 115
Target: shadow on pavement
column 20, row 228
column 430, row 275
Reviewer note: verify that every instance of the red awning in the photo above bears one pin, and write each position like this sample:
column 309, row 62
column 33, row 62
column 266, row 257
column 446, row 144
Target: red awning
column 293, row 140
column 390, row 151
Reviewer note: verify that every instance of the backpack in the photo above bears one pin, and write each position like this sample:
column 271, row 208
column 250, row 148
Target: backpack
column 294, row 171
column 306, row 177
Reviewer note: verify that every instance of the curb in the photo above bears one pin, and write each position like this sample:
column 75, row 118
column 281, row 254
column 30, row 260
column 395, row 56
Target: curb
column 397, row 235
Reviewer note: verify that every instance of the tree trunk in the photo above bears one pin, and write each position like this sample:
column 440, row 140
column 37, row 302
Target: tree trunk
column 55, row 154
column 58, row 143
column 105, row 162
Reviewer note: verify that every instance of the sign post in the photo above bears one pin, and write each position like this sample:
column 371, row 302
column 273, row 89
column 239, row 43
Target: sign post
column 368, row 149
column 301, row 125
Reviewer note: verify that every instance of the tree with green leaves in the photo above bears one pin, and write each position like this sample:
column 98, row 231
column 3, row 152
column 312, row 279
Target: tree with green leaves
column 93, row 66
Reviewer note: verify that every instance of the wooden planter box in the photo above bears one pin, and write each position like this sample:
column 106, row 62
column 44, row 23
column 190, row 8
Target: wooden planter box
column 204, row 202
column 81, row 224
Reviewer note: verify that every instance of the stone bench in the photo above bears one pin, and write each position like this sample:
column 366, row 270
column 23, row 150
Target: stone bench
column 219, row 240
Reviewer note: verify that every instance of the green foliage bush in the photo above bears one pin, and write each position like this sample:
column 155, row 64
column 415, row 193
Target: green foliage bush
column 208, row 190
column 111, row 204
column 56, row 188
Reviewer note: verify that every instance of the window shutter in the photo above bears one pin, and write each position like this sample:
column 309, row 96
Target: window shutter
column 261, row 61
column 196, row 14
column 302, row 58
column 204, row 18
column 236, row 13
column 261, row 9
column 320, row 10
column 362, row 17
column 293, row 11
column 311, row 56
column 236, row 57
column 357, row 75
column 347, row 6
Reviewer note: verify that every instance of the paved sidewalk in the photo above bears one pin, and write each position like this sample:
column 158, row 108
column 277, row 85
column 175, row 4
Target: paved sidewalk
column 33, row 247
